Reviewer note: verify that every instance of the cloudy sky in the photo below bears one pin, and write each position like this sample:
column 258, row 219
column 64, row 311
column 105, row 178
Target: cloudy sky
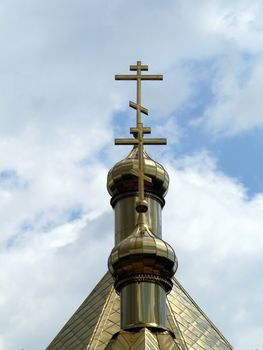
column 60, row 109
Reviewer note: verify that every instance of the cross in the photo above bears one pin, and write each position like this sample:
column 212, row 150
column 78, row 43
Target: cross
column 139, row 131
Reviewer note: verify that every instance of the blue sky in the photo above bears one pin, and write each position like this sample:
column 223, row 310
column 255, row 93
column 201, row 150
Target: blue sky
column 237, row 155
column 60, row 109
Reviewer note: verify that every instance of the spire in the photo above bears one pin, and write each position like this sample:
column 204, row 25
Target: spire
column 141, row 263
column 138, row 304
column 139, row 131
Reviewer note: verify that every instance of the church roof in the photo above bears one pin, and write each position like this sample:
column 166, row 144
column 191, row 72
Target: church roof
column 97, row 320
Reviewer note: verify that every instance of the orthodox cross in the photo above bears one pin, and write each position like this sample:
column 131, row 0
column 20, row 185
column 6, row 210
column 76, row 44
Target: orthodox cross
column 139, row 131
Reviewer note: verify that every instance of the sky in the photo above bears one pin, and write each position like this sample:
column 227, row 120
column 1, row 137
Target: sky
column 60, row 109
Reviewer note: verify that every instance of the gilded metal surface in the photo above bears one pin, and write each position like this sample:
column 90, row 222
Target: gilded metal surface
column 126, row 216
column 197, row 331
column 142, row 265
column 142, row 340
column 123, row 177
column 98, row 319
column 78, row 331
column 137, row 313
column 142, row 253
column 142, row 77
column 139, row 131
column 134, row 142
column 108, row 323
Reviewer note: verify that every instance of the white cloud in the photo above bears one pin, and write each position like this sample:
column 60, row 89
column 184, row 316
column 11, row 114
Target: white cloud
column 60, row 174
column 237, row 87
column 58, row 60
column 216, row 232
column 44, row 278
column 240, row 23
column 57, row 101
column 213, row 227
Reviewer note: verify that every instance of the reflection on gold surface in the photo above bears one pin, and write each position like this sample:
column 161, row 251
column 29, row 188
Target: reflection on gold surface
column 126, row 216
column 143, row 339
column 123, row 177
column 98, row 319
column 131, row 308
column 135, row 301
column 141, row 263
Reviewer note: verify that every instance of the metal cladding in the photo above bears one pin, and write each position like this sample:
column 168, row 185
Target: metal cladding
column 122, row 178
column 143, row 257
column 143, row 339
column 141, row 263
column 96, row 325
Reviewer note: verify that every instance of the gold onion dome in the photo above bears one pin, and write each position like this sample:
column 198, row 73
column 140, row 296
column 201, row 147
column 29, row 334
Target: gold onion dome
column 142, row 256
column 123, row 177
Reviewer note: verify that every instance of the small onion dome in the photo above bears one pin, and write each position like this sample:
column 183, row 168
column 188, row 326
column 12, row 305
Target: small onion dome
column 123, row 176
column 143, row 257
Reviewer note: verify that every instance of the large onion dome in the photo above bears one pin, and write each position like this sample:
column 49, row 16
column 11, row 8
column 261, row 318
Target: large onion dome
column 123, row 176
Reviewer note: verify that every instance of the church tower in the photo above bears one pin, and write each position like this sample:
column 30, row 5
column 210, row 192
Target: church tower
column 139, row 304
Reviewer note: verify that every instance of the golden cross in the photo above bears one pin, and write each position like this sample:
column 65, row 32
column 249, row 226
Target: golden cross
column 139, row 131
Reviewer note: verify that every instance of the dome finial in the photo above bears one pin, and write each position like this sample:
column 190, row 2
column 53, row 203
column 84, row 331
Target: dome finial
column 139, row 131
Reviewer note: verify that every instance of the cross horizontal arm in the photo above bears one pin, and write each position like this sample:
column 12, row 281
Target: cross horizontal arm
column 136, row 130
column 151, row 77
column 155, row 141
column 135, row 67
column 152, row 141
column 126, row 142
column 135, row 77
